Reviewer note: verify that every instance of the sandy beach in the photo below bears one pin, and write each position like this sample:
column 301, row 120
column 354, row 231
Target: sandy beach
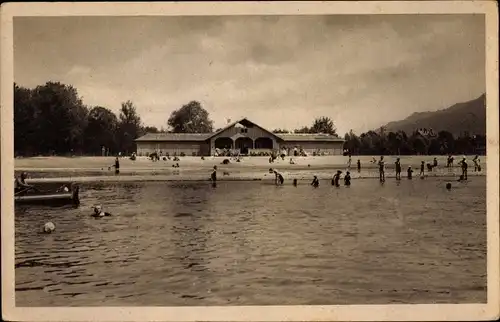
column 94, row 169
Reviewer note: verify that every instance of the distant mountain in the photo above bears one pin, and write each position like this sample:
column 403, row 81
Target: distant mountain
column 468, row 116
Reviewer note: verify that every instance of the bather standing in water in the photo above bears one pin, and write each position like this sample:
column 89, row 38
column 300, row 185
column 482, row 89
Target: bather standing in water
column 315, row 182
column 336, row 179
column 213, row 176
column 422, row 169
column 409, row 172
column 464, row 165
column 398, row 169
column 381, row 169
column 347, row 179
column 359, row 166
column 349, row 161
column 279, row 178
column 117, row 166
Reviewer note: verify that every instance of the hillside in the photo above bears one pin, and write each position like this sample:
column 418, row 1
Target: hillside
column 467, row 116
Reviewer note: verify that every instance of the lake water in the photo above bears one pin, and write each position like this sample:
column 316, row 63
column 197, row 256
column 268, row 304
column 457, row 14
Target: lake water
column 252, row 243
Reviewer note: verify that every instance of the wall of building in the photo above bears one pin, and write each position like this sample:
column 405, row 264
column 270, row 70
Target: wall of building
column 252, row 133
column 328, row 148
column 173, row 148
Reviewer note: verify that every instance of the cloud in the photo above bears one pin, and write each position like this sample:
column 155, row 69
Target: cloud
column 281, row 71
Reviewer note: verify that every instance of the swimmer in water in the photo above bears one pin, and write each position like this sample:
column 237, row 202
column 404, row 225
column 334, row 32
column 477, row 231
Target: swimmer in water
column 398, row 169
column 315, row 182
column 347, row 179
column 98, row 212
column 410, row 172
column 381, row 169
column 336, row 179
column 279, row 178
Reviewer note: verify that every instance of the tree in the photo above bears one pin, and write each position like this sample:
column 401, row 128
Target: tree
column 280, row 131
column 61, row 118
column 151, row 129
column 302, row 130
column 190, row 118
column 25, row 125
column 130, row 127
column 101, row 130
column 323, row 125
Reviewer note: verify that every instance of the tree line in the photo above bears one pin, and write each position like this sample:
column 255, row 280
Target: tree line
column 418, row 142
column 52, row 119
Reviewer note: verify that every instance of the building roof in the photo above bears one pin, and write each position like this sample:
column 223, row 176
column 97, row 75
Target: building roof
column 243, row 121
column 310, row 137
column 156, row 137
column 149, row 137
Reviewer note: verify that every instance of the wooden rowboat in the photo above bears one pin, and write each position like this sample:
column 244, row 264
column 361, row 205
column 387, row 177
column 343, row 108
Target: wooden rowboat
column 49, row 198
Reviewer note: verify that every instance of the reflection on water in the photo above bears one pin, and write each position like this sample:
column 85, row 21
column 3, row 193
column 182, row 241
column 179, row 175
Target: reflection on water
column 247, row 243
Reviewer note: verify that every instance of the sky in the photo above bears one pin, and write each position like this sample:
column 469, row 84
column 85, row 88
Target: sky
column 362, row 71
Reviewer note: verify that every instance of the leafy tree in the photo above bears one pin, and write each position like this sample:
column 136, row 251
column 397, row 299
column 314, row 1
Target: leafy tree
column 280, row 131
column 130, row 127
column 61, row 117
column 25, row 125
column 190, row 118
column 323, row 125
column 302, row 130
column 151, row 129
column 101, row 130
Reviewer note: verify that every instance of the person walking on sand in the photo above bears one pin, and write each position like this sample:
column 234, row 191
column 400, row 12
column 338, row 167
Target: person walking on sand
column 381, row 169
column 398, row 169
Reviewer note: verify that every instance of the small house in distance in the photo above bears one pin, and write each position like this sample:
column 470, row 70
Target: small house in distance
column 243, row 136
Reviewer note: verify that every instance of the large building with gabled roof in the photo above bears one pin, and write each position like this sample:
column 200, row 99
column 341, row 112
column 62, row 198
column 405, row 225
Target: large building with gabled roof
column 243, row 136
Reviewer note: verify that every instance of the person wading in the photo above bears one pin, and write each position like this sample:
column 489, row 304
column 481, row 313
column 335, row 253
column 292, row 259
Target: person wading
column 381, row 169
column 398, row 169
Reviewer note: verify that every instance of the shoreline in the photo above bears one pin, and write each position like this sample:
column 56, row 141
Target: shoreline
column 239, row 178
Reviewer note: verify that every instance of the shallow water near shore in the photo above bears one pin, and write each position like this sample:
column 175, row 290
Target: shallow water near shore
column 252, row 243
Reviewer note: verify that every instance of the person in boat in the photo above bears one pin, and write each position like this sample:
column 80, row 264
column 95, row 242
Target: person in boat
column 279, row 178
column 398, row 169
column 315, row 182
column 117, row 166
column 98, row 212
column 20, row 183
column 381, row 169
column 336, row 179
column 409, row 172
column 347, row 179
column 464, row 166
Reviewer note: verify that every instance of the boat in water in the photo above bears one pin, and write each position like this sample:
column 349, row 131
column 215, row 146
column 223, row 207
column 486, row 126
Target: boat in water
column 65, row 195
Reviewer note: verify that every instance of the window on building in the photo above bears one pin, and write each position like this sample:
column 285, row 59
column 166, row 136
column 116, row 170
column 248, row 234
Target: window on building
column 244, row 130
